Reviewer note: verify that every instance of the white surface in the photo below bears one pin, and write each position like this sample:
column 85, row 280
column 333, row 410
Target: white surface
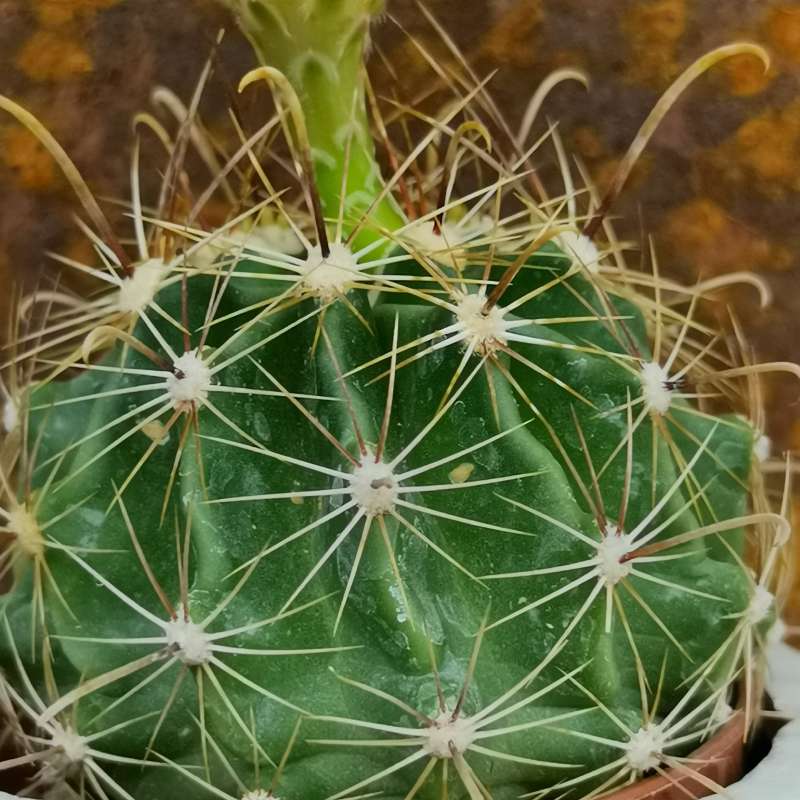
column 778, row 775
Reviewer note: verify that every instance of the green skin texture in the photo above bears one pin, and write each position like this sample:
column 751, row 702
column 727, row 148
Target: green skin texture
column 447, row 607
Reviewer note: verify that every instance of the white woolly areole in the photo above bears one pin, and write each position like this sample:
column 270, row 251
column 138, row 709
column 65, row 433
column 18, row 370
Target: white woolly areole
column 611, row 549
column 190, row 380
column 274, row 238
column 760, row 605
column 485, row 330
column 762, row 449
column 373, row 487
column 581, row 249
column 23, row 525
column 446, row 735
column 655, row 387
column 330, row 276
column 189, row 639
column 270, row 238
column 72, row 747
column 138, row 291
column 259, row 794
column 423, row 237
column 478, row 225
column 644, row 751
column 10, row 415
column 722, row 712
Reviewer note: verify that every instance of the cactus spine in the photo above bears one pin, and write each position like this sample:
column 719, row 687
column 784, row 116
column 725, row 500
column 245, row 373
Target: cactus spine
column 335, row 499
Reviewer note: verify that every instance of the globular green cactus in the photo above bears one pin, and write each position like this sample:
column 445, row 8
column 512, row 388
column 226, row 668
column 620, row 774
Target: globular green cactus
column 390, row 485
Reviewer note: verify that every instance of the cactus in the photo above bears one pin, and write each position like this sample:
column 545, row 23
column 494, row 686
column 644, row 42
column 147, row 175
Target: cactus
column 383, row 486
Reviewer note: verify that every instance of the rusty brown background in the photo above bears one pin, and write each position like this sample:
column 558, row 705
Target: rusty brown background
column 718, row 187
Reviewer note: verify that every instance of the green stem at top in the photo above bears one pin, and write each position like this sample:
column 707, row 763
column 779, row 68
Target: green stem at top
column 319, row 45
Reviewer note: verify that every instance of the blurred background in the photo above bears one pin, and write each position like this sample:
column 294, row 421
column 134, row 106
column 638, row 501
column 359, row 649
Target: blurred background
column 718, row 188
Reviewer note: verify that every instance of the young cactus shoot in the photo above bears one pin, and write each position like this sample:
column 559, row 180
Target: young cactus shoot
column 400, row 482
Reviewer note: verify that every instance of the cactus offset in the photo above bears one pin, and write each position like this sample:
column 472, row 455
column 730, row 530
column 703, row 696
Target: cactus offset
column 426, row 502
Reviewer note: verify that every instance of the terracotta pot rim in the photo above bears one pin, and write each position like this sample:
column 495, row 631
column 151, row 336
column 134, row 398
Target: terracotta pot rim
column 723, row 756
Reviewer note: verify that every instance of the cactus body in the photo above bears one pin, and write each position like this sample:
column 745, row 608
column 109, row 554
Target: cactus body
column 425, row 516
